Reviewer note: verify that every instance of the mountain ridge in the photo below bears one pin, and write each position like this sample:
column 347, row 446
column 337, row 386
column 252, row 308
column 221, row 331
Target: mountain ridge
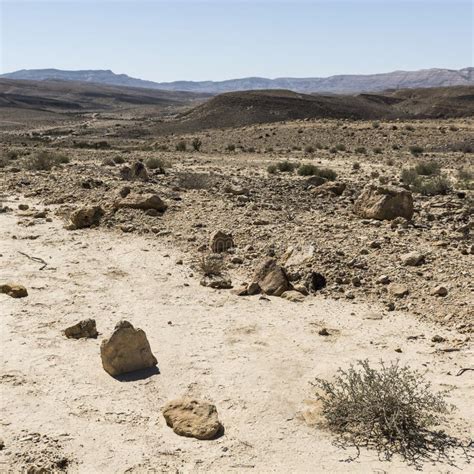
column 337, row 84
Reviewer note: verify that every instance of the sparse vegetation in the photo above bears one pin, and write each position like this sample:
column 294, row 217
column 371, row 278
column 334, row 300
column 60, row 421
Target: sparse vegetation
column 211, row 265
column 272, row 169
column 376, row 124
column 428, row 168
column 308, row 169
column 286, row 166
column 196, row 144
column 426, row 184
column 361, row 150
column 230, row 147
column 340, row 147
column 189, row 180
column 378, row 150
column 156, row 163
column 44, row 161
column 309, row 149
column 181, row 146
column 391, row 409
column 416, row 150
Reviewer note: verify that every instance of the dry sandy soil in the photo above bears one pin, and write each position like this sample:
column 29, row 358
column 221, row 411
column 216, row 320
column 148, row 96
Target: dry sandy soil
column 254, row 358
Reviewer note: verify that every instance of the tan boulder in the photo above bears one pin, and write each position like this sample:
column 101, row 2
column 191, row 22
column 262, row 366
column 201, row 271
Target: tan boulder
column 126, row 350
column 384, row 203
column 86, row 216
column 294, row 296
column 271, row 278
column 192, row 418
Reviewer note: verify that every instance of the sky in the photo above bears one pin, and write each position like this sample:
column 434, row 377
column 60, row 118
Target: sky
column 217, row 40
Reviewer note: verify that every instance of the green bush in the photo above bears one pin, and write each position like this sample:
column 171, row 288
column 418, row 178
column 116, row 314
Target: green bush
column 230, row 147
column 272, row 169
column 376, row 124
column 378, row 150
column 307, row 169
column 410, row 128
column 286, row 166
column 361, row 149
column 391, row 409
column 340, row 147
column 309, row 149
column 428, row 168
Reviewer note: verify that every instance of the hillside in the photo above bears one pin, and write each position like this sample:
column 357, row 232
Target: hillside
column 353, row 83
column 235, row 109
column 64, row 96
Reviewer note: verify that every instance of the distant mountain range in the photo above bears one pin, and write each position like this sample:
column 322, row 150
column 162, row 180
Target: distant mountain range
column 342, row 84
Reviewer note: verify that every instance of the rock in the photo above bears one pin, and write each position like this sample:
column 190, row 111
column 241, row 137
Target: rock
column 126, row 350
column 240, row 291
column 438, row 339
column 412, row 259
column 383, row 280
column 2, row 444
column 136, row 171
column 192, row 418
column 316, row 281
column 292, row 295
column 143, row 202
column 439, row 291
column 295, row 256
column 323, row 332
column 384, row 203
column 271, row 278
column 236, row 190
column 333, row 187
column 124, row 191
column 218, row 282
column 83, row 329
column 399, row 291
column 253, row 289
column 14, row 290
column 23, row 207
column 86, row 216
column 315, row 181
column 221, row 241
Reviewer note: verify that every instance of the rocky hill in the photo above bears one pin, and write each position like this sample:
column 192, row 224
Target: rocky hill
column 340, row 84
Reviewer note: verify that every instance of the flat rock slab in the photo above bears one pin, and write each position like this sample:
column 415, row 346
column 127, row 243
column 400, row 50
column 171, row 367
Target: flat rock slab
column 127, row 350
column 192, row 418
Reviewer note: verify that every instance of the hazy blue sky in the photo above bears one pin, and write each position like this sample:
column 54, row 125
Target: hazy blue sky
column 198, row 40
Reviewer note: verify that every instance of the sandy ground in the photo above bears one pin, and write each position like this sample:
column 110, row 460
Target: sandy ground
column 253, row 358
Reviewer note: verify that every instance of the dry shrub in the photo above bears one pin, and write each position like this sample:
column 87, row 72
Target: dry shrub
column 211, row 265
column 308, row 169
column 391, row 409
column 156, row 163
column 44, row 161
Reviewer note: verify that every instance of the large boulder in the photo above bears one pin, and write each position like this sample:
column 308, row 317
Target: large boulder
column 221, row 241
column 192, row 418
column 144, row 202
column 126, row 350
column 86, row 216
column 384, row 203
column 271, row 278
column 14, row 290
